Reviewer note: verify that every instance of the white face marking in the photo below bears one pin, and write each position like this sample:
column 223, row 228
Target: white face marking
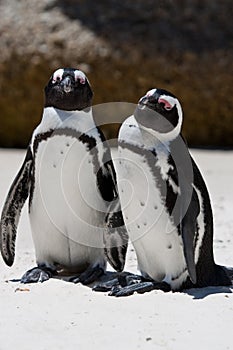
column 150, row 92
column 80, row 76
column 57, row 75
column 168, row 101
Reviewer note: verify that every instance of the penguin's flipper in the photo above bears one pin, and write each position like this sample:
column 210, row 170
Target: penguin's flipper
column 187, row 207
column 106, row 179
column 115, row 237
column 188, row 232
column 15, row 200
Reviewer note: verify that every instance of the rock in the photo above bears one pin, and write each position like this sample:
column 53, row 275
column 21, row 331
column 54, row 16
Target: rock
column 125, row 48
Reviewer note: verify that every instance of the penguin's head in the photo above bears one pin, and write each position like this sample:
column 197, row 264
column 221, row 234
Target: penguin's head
column 160, row 111
column 68, row 89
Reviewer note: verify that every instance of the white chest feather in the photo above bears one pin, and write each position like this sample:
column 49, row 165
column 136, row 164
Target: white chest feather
column 67, row 211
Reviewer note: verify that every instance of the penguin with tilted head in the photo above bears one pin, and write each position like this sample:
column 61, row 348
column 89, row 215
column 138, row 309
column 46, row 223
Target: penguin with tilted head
column 70, row 180
column 165, row 202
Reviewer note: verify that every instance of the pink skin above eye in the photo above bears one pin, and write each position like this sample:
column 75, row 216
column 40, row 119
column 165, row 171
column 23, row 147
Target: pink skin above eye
column 80, row 76
column 150, row 92
column 56, row 77
column 167, row 104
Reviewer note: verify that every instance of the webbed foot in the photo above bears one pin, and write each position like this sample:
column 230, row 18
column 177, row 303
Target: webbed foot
column 89, row 276
column 106, row 286
column 37, row 274
column 141, row 288
column 122, row 280
column 127, row 284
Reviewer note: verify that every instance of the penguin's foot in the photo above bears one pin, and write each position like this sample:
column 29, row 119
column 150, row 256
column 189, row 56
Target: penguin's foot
column 37, row 274
column 123, row 279
column 141, row 287
column 89, row 276
column 127, row 279
column 106, row 286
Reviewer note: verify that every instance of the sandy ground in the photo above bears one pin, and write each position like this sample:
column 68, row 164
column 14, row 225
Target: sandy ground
column 60, row 315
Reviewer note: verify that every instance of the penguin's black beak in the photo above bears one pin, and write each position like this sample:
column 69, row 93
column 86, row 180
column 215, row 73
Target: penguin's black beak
column 66, row 84
column 147, row 101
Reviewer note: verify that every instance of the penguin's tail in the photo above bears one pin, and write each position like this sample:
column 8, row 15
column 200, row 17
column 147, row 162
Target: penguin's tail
column 229, row 271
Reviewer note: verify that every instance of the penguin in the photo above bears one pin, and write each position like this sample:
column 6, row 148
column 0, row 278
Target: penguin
column 165, row 202
column 69, row 177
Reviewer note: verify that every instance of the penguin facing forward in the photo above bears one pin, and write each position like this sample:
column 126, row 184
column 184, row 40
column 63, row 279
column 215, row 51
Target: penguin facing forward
column 70, row 180
column 165, row 202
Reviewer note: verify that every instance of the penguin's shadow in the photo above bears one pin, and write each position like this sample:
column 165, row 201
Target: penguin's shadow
column 201, row 293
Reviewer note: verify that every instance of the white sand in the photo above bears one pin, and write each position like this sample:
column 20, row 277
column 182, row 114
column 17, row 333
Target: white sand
column 60, row 315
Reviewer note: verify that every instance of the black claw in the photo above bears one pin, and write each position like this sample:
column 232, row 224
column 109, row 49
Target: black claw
column 74, row 279
column 122, row 292
column 115, row 290
column 15, row 280
column 101, row 288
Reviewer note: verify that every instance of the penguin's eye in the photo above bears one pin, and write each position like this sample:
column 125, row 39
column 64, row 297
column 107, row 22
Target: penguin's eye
column 56, row 79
